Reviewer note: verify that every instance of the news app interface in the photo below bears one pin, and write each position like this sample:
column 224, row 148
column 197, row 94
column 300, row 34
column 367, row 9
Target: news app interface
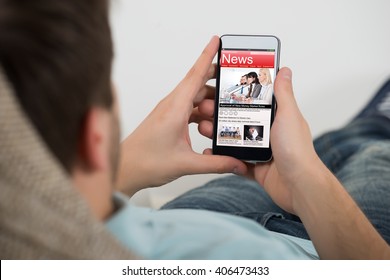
column 245, row 97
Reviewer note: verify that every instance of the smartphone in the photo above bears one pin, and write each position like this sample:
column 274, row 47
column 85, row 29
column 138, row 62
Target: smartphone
column 245, row 103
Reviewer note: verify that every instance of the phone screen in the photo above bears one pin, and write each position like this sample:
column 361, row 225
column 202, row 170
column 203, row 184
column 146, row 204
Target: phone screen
column 246, row 81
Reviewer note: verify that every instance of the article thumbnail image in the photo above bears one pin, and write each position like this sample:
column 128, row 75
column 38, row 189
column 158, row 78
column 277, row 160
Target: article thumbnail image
column 253, row 133
column 229, row 132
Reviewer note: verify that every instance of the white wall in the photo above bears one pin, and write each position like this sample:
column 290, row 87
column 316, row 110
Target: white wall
column 339, row 52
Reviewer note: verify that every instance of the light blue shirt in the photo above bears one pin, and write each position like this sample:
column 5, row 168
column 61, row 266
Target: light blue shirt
column 200, row 234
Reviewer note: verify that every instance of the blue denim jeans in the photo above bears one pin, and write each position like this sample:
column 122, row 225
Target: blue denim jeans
column 357, row 154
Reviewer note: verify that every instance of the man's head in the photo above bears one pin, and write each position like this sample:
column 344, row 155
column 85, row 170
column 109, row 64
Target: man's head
column 58, row 55
column 243, row 80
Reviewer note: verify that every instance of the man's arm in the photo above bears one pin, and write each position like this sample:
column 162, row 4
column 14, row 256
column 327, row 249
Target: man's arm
column 336, row 225
column 300, row 183
column 159, row 150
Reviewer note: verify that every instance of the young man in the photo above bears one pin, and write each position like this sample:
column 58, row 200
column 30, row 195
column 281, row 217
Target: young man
column 57, row 55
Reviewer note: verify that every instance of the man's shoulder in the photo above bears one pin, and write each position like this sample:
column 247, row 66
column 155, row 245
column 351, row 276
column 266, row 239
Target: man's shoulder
column 149, row 233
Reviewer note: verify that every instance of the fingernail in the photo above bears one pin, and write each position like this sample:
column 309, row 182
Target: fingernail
column 287, row 73
column 237, row 171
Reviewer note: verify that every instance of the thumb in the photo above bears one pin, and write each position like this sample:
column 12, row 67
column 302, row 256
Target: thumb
column 204, row 163
column 284, row 93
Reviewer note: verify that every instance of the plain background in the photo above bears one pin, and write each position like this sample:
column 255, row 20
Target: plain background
column 339, row 52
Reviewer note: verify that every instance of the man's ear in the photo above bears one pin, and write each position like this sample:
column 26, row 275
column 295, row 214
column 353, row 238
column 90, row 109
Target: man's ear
column 94, row 142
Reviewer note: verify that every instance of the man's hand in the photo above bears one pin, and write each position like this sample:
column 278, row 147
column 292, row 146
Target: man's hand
column 300, row 183
column 159, row 150
column 294, row 156
column 291, row 141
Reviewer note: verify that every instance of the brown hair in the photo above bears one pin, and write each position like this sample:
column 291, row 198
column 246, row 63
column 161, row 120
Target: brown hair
column 256, row 81
column 57, row 55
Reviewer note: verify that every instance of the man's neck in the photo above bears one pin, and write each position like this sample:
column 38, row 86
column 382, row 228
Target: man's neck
column 97, row 191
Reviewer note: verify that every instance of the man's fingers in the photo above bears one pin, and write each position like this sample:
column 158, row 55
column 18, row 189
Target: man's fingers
column 201, row 72
column 206, row 92
column 205, row 128
column 206, row 163
column 203, row 68
column 198, row 117
column 212, row 72
column 206, row 107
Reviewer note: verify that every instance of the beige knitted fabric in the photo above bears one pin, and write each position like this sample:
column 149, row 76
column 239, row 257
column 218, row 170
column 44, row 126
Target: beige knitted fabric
column 42, row 216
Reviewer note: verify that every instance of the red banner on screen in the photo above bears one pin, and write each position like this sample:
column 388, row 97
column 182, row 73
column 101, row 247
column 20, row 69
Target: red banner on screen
column 247, row 59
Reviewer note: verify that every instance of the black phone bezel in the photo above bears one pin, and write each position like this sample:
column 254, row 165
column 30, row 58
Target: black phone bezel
column 250, row 154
